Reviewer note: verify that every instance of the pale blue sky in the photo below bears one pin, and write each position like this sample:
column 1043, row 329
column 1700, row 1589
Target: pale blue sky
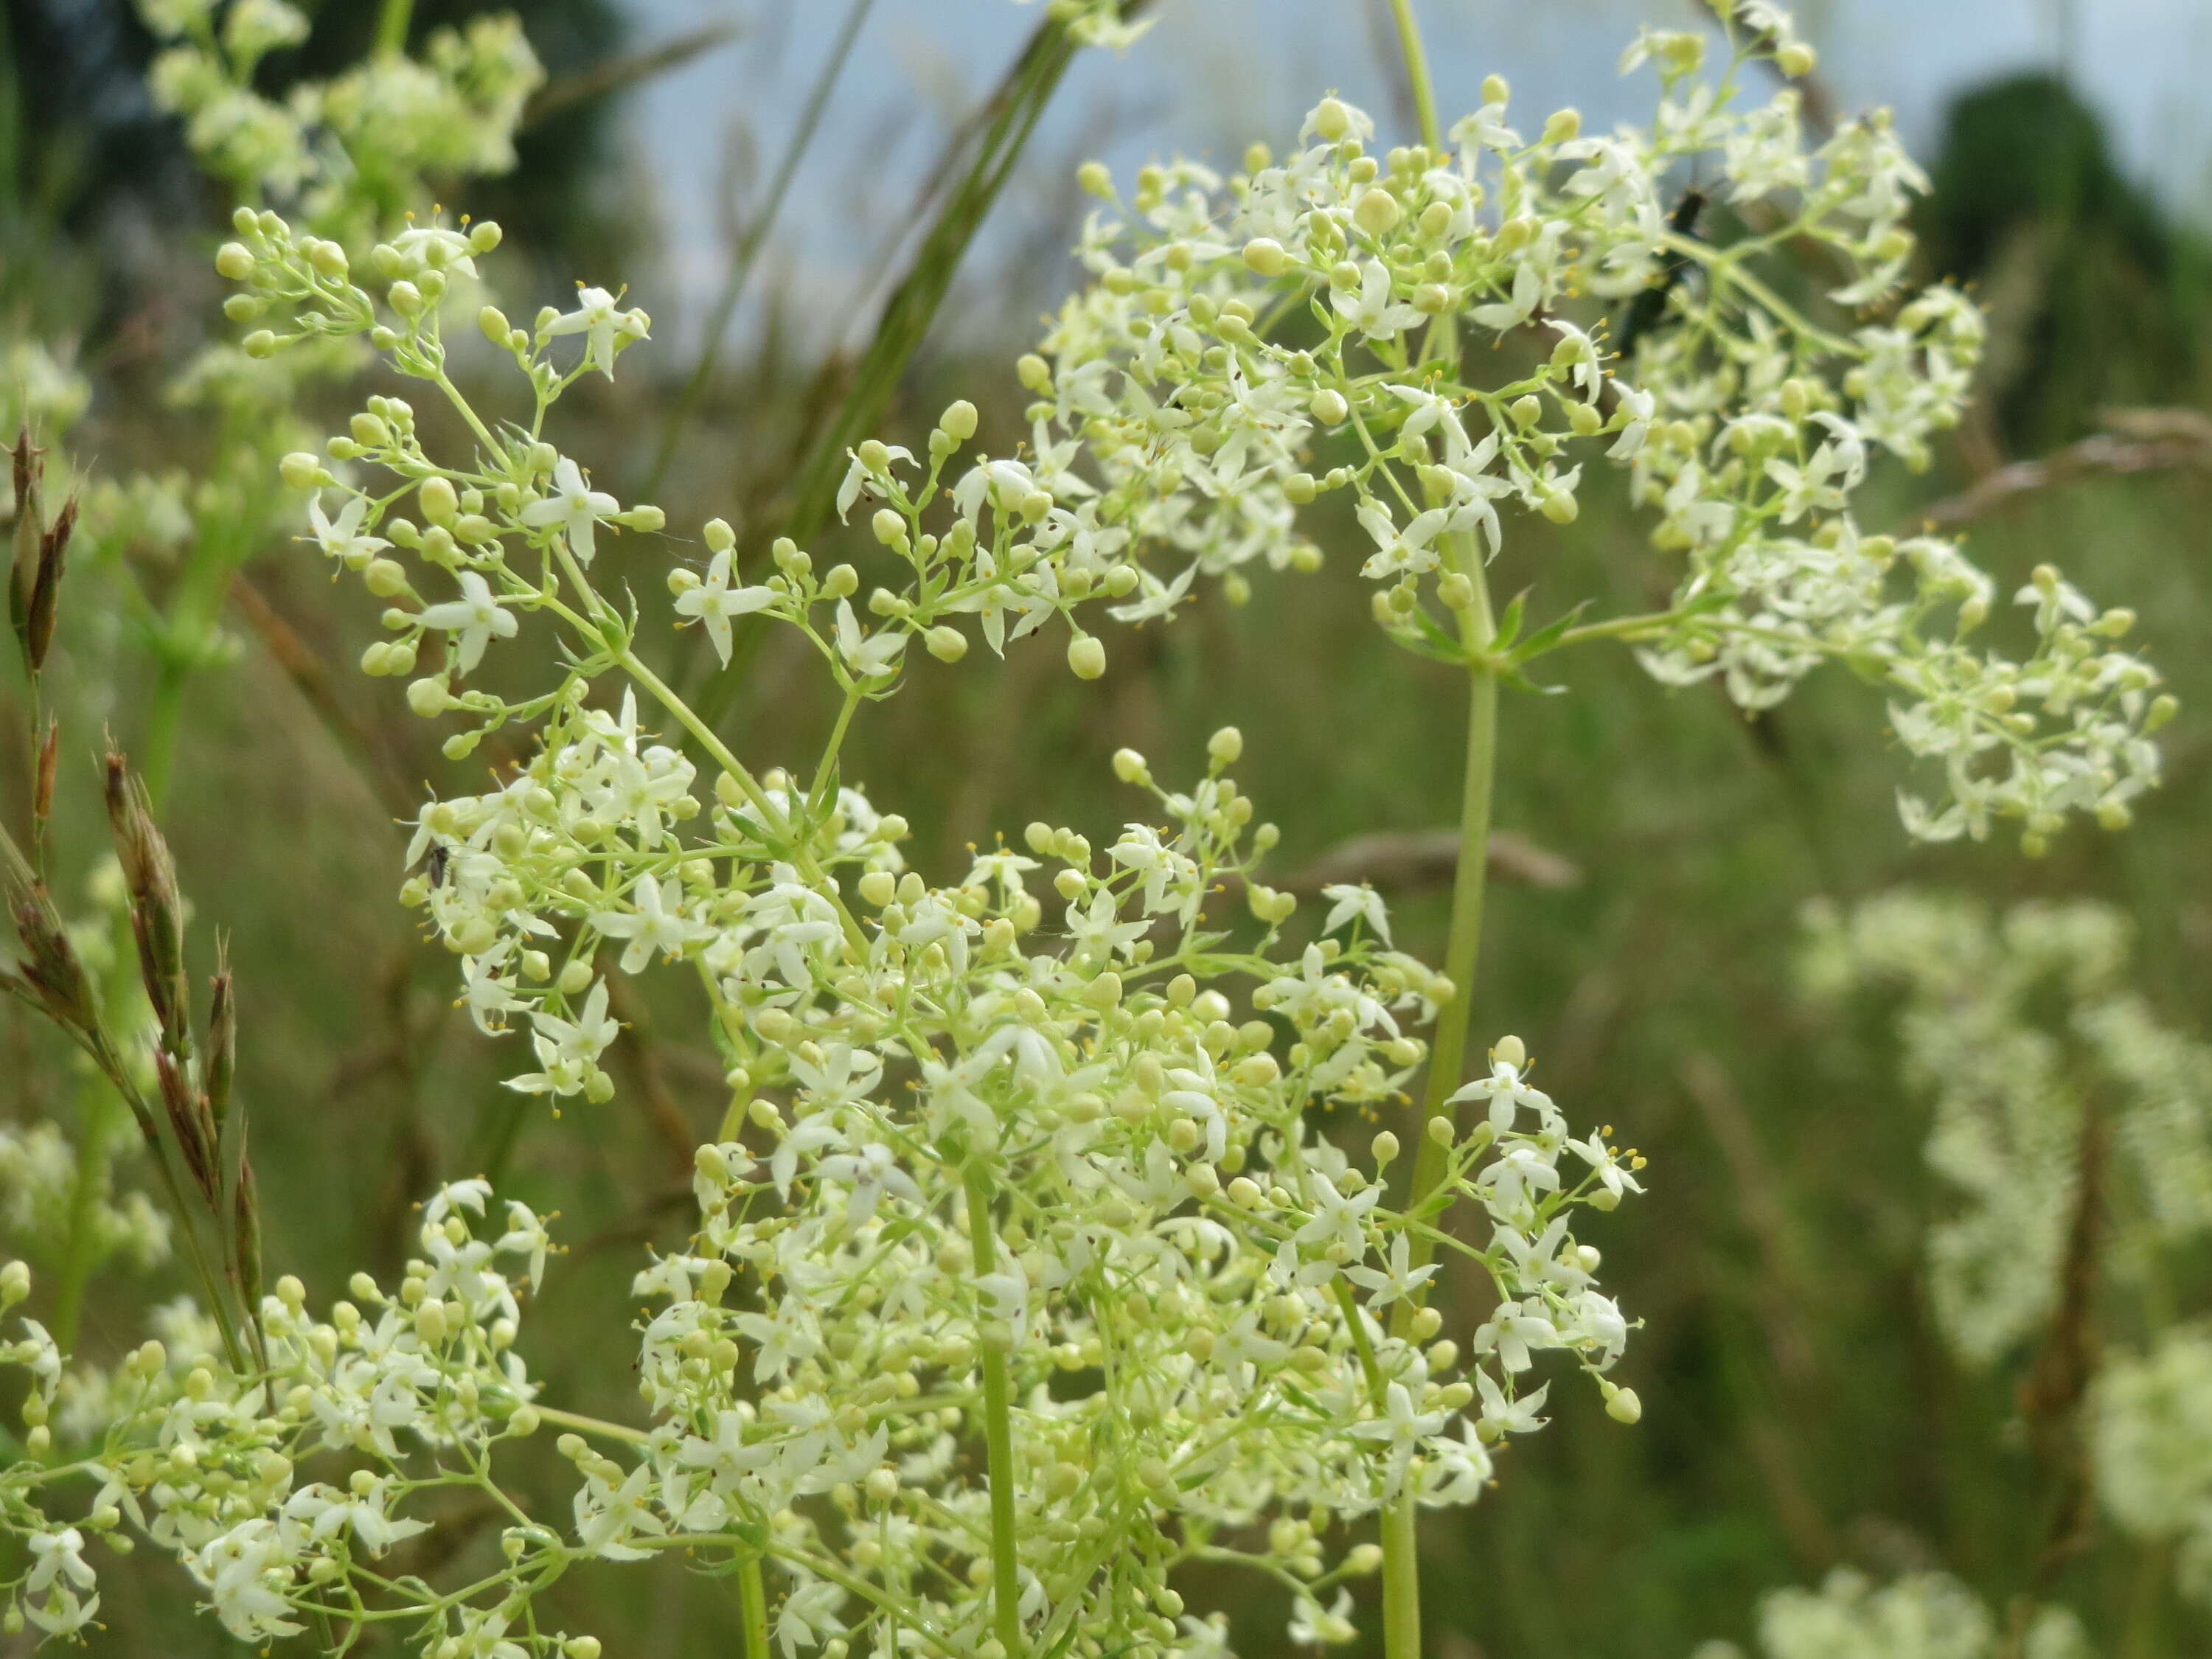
column 1214, row 73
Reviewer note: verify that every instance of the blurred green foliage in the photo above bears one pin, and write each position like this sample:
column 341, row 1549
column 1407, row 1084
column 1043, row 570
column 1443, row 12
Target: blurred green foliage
column 1800, row 1410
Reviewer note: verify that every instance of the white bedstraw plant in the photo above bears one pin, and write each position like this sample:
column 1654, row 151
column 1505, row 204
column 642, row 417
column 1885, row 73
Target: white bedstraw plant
column 1024, row 1275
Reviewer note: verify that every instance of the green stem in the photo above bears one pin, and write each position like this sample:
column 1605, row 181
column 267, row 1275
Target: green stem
column 752, row 1597
column 1401, row 1584
column 392, row 26
column 1417, row 72
column 997, row 1438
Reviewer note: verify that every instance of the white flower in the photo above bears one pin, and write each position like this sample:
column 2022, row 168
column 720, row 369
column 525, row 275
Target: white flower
column 59, row 1574
column 1361, row 903
column 657, row 924
column 714, row 602
column 1402, row 1281
column 869, row 656
column 573, row 508
column 342, row 537
column 603, row 328
column 475, row 618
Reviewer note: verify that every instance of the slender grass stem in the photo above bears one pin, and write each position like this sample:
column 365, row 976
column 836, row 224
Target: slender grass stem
column 747, row 257
column 998, row 1440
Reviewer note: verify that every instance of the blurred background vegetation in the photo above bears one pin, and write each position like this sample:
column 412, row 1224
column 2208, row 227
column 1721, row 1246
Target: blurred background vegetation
column 1801, row 1412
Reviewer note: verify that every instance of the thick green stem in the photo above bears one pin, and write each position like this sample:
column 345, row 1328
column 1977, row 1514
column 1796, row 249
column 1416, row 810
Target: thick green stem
column 392, row 26
column 997, row 1438
column 1401, row 1582
column 752, row 1597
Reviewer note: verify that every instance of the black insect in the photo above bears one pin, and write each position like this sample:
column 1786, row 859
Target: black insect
column 434, row 866
column 1649, row 308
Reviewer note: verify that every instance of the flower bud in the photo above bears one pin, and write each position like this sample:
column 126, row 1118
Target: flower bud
column 1331, row 119
column 301, row 471
column 959, row 420
column 1562, row 127
column 14, row 1283
column 946, row 643
column 1385, row 1148
column 1377, row 212
column 1129, row 766
column 1086, row 657
column 404, row 298
column 1329, row 407
column 1225, row 746
column 1265, row 255
column 1094, row 178
column 235, row 261
column 1797, row 60
column 1622, row 1405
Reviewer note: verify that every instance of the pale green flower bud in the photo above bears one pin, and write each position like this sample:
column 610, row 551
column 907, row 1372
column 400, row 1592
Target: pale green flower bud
column 1329, row 408
column 959, row 420
column 301, row 471
column 1377, row 212
column 235, row 261
column 14, row 1283
column 1086, row 657
column 1265, row 255
column 1130, row 767
column 1621, row 1405
column 1225, row 746
column 946, row 644
column 1094, row 178
column 439, row 503
column 575, row 977
column 428, row 697
column 1563, row 127
column 1331, row 119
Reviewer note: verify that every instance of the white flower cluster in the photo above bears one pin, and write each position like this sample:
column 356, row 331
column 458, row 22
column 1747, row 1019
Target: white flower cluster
column 2150, row 1448
column 353, row 150
column 2010, row 1028
column 39, row 1172
column 414, row 1390
column 1920, row 1616
column 1317, row 301
column 1051, row 1287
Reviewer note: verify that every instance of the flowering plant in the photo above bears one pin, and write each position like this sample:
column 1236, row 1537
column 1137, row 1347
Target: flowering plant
column 1027, row 1272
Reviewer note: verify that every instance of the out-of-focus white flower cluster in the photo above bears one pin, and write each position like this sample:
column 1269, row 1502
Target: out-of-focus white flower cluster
column 38, row 1173
column 1920, row 1616
column 1094, row 22
column 1233, row 328
column 352, row 152
column 2010, row 1027
column 2151, row 1448
column 413, row 1389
